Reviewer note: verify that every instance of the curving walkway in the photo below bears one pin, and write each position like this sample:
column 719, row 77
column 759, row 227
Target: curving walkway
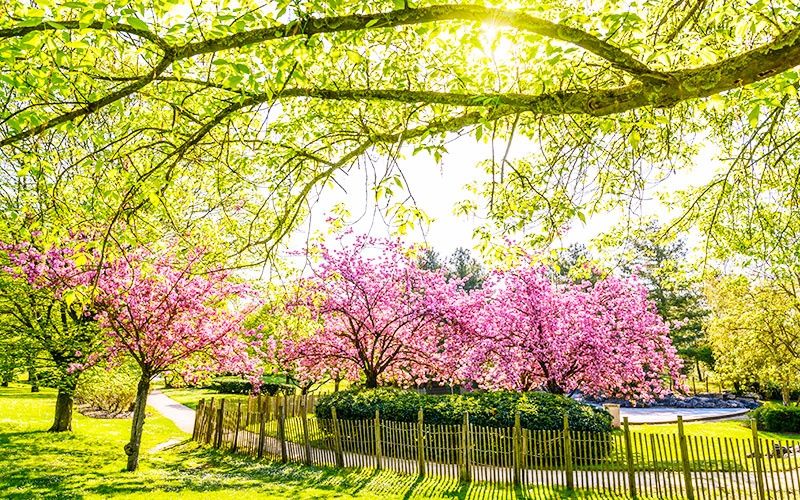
column 183, row 416
column 668, row 415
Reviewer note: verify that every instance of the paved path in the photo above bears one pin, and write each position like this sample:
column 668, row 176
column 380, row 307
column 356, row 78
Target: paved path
column 183, row 416
column 666, row 415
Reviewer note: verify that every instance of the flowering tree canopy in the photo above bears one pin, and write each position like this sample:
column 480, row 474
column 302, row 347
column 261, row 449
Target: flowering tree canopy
column 601, row 338
column 46, row 308
column 381, row 318
column 164, row 308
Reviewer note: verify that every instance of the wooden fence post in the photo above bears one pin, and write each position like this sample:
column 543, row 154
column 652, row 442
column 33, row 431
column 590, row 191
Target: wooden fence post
column 687, row 470
column 517, row 457
column 197, row 420
column 306, row 441
column 209, row 415
column 568, row 455
column 220, row 417
column 262, row 419
column 420, row 445
column 758, row 458
column 337, row 440
column 629, row 458
column 236, row 431
column 378, row 450
column 466, row 473
column 282, row 433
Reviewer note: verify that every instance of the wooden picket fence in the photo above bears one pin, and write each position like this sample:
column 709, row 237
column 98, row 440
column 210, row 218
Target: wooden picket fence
column 628, row 464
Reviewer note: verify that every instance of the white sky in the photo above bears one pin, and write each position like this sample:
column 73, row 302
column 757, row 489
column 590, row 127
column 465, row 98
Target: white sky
column 438, row 188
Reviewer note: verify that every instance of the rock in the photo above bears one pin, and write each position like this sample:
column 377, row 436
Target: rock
column 779, row 451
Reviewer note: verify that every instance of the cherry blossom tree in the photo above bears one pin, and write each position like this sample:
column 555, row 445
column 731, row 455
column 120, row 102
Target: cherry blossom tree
column 166, row 308
column 381, row 318
column 602, row 338
column 46, row 307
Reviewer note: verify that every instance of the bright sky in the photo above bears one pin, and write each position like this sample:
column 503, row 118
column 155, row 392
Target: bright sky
column 437, row 188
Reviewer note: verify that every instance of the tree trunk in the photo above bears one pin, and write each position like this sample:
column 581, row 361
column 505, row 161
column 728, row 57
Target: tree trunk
column 33, row 378
column 4, row 383
column 553, row 387
column 137, row 426
column 63, row 418
column 336, row 384
column 785, row 394
column 372, row 381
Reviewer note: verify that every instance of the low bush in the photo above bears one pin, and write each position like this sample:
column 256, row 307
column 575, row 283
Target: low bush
column 538, row 411
column 49, row 377
column 110, row 390
column 238, row 386
column 494, row 412
column 777, row 418
column 767, row 390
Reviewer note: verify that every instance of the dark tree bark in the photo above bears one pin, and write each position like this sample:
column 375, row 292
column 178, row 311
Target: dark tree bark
column 33, row 378
column 553, row 387
column 137, row 426
column 372, row 380
column 63, row 418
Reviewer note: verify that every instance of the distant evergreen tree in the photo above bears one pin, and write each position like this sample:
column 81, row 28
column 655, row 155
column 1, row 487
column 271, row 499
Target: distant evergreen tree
column 430, row 260
column 661, row 266
column 461, row 264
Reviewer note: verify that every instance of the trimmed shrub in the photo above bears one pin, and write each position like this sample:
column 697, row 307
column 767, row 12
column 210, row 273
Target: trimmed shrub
column 238, row 386
column 538, row 411
column 777, row 418
column 494, row 410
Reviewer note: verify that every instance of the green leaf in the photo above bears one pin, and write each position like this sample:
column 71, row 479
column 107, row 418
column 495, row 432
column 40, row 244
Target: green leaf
column 354, row 56
column 86, row 18
column 634, row 138
column 754, row 115
column 137, row 23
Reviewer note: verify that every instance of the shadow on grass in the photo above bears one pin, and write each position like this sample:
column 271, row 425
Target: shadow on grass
column 38, row 464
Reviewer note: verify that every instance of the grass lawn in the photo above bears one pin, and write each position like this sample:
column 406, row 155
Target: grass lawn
column 191, row 396
column 738, row 429
column 88, row 463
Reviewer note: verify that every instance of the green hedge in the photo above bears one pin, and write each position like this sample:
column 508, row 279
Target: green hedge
column 777, row 418
column 538, row 411
column 233, row 386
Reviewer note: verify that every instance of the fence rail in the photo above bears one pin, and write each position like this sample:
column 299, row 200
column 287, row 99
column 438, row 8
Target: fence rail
column 631, row 464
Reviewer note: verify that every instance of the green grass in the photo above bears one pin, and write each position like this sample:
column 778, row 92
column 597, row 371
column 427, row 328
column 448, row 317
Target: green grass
column 88, row 463
column 191, row 396
column 738, row 429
